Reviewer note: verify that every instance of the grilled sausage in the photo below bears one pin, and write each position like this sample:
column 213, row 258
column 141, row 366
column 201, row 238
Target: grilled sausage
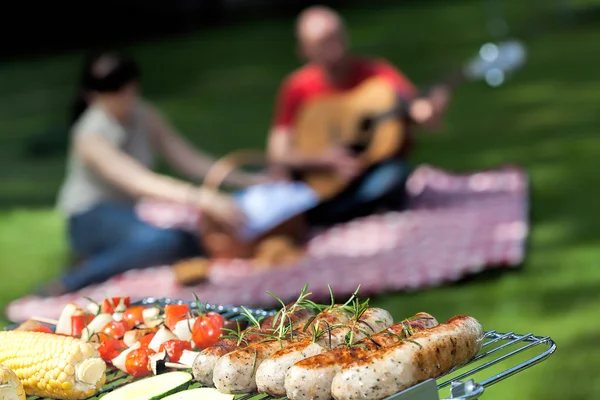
column 270, row 375
column 311, row 378
column 205, row 362
column 428, row 354
column 236, row 372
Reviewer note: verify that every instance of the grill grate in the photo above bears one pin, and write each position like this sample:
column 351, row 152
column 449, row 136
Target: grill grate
column 464, row 382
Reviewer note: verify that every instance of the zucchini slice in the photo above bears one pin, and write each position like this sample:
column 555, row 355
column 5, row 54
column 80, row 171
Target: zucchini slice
column 152, row 388
column 204, row 393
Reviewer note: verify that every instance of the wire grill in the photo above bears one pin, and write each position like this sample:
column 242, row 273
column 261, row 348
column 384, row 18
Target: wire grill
column 502, row 355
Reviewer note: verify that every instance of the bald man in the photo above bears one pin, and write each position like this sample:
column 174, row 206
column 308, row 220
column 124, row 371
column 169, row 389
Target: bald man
column 330, row 68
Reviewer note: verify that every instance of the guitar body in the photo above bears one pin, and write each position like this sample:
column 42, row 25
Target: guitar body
column 337, row 120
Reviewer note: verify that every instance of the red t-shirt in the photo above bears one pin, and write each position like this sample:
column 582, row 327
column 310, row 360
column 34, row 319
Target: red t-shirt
column 310, row 81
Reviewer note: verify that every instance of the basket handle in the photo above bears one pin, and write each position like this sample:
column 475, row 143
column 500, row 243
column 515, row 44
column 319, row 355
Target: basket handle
column 230, row 162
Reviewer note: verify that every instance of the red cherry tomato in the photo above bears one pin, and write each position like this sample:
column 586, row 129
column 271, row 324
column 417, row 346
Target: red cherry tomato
column 109, row 305
column 116, row 329
column 175, row 313
column 78, row 324
column 217, row 319
column 205, row 333
column 110, row 349
column 146, row 339
column 137, row 362
column 134, row 315
column 174, row 348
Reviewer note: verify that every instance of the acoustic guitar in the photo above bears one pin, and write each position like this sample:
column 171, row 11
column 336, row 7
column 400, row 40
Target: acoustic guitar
column 371, row 120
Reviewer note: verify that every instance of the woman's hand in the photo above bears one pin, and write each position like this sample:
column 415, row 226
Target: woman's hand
column 220, row 207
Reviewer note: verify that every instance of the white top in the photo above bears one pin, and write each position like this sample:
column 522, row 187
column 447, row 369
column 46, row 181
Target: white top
column 83, row 187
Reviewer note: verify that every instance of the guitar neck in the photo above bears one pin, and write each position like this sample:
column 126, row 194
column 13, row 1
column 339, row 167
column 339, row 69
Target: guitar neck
column 401, row 108
column 451, row 80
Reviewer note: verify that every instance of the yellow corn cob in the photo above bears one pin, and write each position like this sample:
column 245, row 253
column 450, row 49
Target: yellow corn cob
column 55, row 366
column 11, row 387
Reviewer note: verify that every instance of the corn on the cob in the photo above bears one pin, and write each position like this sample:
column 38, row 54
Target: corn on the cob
column 11, row 387
column 55, row 366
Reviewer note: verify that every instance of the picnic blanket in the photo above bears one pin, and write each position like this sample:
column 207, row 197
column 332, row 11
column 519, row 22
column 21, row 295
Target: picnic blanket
column 455, row 225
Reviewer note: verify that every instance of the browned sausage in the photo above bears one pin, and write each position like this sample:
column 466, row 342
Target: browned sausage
column 311, row 378
column 428, row 354
column 205, row 361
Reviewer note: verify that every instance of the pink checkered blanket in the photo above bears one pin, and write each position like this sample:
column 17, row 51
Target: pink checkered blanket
column 456, row 225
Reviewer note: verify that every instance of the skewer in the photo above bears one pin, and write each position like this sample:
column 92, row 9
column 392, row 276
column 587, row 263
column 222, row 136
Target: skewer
column 176, row 365
column 45, row 320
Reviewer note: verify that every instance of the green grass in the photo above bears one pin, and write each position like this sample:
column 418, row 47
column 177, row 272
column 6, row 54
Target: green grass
column 218, row 87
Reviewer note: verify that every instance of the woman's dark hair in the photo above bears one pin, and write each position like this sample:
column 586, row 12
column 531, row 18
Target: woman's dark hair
column 105, row 72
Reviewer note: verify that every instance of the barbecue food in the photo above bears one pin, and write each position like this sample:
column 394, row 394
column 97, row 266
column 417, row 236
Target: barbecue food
column 236, row 372
column 311, row 378
column 204, row 363
column 428, row 354
column 48, row 365
column 270, row 375
column 11, row 387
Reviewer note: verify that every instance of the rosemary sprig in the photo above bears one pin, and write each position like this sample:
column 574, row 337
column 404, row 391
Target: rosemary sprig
column 254, row 362
column 407, row 328
column 349, row 338
column 407, row 333
column 317, row 331
column 358, row 308
column 251, row 318
column 238, row 334
column 353, row 305
column 235, row 335
column 283, row 324
column 331, row 295
column 390, row 332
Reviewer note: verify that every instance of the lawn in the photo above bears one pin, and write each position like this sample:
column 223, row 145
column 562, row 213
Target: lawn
column 218, row 87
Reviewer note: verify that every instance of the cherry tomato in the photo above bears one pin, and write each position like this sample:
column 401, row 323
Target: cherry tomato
column 102, row 337
column 175, row 313
column 137, row 363
column 111, row 348
column 78, row 324
column 205, row 333
column 174, row 348
column 217, row 319
column 116, row 329
column 146, row 339
column 134, row 315
column 110, row 305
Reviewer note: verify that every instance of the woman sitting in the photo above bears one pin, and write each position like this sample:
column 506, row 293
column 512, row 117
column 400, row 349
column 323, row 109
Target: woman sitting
column 114, row 140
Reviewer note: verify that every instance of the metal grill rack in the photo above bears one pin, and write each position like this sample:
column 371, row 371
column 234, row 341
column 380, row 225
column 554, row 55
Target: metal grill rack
column 502, row 355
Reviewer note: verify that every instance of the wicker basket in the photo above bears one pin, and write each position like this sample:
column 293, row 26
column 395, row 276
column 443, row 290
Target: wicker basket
column 277, row 245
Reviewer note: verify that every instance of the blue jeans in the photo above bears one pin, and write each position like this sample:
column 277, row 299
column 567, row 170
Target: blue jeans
column 383, row 186
column 111, row 240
